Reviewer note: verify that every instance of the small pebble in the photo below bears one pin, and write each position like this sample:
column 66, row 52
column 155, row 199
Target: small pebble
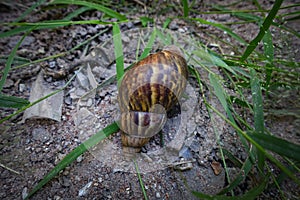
column 52, row 64
column 22, row 87
column 89, row 102
column 185, row 153
column 24, row 192
column 129, row 25
column 79, row 158
column 106, row 176
column 100, row 179
column 181, row 30
column 82, row 79
column 41, row 50
column 157, row 195
column 66, row 182
column 102, row 93
column 56, row 197
column 83, row 191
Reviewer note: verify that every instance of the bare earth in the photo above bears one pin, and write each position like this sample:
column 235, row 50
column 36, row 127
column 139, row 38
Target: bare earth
column 34, row 146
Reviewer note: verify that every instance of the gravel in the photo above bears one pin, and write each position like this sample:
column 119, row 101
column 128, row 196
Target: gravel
column 30, row 149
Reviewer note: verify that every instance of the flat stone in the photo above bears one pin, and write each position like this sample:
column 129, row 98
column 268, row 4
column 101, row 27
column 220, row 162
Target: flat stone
column 185, row 153
column 83, row 115
column 50, row 108
column 82, row 80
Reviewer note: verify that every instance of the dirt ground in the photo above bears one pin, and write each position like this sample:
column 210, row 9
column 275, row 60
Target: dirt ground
column 33, row 147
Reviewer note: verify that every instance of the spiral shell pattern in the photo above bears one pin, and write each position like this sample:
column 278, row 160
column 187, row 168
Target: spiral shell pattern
column 147, row 91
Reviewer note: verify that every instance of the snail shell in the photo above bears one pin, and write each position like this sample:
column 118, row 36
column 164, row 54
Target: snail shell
column 147, row 91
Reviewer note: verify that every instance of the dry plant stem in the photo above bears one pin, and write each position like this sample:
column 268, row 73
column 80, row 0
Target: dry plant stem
column 9, row 169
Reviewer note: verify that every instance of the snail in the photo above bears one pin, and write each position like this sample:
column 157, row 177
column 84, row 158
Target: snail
column 147, row 92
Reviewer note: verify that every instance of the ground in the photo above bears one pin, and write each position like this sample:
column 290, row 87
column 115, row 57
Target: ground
column 33, row 147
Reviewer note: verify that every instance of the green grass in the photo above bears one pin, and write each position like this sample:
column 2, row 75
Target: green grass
column 249, row 74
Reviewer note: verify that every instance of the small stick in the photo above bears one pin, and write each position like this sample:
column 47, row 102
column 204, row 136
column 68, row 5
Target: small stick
column 9, row 169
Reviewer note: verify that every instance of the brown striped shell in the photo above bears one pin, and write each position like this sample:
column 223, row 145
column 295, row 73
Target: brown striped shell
column 147, row 91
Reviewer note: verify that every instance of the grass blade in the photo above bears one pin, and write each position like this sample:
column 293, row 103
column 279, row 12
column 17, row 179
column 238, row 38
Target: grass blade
column 269, row 54
column 185, row 8
column 25, row 26
column 219, row 92
column 240, row 102
column 77, row 12
column 263, row 28
column 286, row 28
column 34, row 6
column 259, row 147
column 257, row 102
column 46, row 25
column 146, row 20
column 251, row 194
column 92, row 141
column 278, row 145
column 244, row 171
column 268, row 46
column 166, row 23
column 258, row 113
column 97, row 6
column 118, row 51
column 18, row 60
column 221, row 27
column 212, row 60
column 10, row 60
column 57, row 23
column 140, row 180
column 12, row 102
column 149, row 45
column 164, row 37
column 236, row 162
column 238, row 13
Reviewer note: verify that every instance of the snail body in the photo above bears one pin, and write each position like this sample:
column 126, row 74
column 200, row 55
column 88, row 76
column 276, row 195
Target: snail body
column 147, row 92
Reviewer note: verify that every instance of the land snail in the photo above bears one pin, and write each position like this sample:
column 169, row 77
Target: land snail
column 147, row 92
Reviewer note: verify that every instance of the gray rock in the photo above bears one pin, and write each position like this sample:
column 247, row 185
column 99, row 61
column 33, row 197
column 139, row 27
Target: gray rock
column 22, row 87
column 68, row 100
column 157, row 195
column 79, row 159
column 56, row 197
column 83, row 191
column 195, row 145
column 52, row 64
column 82, row 80
column 50, row 108
column 82, row 31
column 185, row 153
column 65, row 181
column 89, row 103
column 40, row 134
column 130, row 25
column 24, row 192
column 78, row 93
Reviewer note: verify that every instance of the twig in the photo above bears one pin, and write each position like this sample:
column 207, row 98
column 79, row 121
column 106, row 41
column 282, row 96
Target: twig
column 9, row 169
